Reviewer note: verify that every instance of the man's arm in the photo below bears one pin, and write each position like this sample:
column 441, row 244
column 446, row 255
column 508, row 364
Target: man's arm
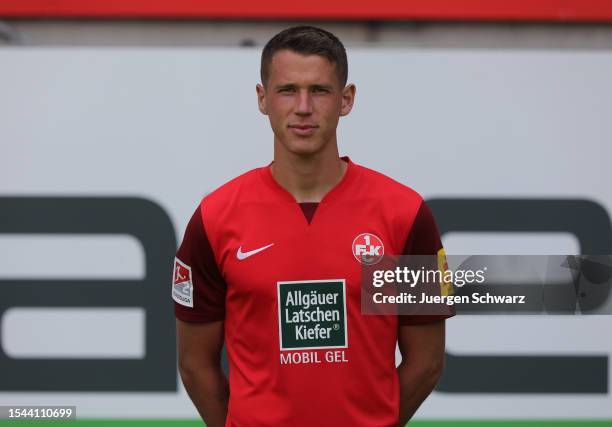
column 422, row 349
column 199, row 351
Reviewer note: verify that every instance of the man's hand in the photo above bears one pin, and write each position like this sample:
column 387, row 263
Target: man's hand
column 422, row 349
column 199, row 351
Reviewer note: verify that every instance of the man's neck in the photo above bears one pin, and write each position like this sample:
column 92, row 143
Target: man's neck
column 308, row 178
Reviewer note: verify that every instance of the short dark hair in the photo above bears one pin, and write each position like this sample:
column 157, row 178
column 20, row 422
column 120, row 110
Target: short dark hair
column 306, row 40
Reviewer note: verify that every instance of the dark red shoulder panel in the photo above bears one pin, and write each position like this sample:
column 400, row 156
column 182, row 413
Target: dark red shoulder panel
column 424, row 239
column 209, row 287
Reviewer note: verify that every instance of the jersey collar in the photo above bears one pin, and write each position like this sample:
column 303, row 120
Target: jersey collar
column 266, row 174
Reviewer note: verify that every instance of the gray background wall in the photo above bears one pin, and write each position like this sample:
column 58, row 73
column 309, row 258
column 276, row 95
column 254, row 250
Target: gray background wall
column 170, row 124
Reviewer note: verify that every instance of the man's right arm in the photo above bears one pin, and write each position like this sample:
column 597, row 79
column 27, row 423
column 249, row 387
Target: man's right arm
column 199, row 292
column 199, row 353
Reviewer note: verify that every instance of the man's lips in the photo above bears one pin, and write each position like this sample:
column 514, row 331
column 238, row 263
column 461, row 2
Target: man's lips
column 302, row 127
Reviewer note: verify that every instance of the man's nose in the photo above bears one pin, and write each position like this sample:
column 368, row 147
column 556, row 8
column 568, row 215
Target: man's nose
column 304, row 103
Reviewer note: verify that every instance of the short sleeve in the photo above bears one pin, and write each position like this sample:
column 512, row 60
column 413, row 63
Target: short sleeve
column 424, row 239
column 198, row 288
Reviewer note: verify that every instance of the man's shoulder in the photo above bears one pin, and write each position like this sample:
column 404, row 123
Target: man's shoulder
column 224, row 197
column 383, row 186
column 234, row 185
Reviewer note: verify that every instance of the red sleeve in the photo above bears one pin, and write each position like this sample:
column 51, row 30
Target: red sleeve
column 424, row 239
column 198, row 289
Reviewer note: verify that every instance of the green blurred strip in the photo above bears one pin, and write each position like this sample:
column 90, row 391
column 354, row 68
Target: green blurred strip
column 195, row 423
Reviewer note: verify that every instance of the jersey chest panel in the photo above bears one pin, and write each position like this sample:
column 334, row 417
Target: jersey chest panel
column 276, row 259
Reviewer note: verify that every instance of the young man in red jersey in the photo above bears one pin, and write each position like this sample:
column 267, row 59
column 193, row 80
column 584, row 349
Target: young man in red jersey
column 270, row 264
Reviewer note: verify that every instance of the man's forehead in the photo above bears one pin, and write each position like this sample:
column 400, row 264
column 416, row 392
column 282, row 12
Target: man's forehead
column 290, row 65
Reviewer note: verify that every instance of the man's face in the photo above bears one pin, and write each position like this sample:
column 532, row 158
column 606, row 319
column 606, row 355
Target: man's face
column 304, row 100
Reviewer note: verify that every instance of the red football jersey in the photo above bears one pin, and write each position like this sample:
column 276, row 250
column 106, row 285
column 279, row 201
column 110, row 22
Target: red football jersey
column 285, row 278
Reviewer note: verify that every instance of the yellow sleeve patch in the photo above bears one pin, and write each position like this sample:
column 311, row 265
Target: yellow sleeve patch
column 446, row 283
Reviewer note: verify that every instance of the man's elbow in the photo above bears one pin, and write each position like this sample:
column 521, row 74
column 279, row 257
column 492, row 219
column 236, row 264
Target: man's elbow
column 187, row 369
column 190, row 369
column 426, row 372
column 433, row 370
column 197, row 369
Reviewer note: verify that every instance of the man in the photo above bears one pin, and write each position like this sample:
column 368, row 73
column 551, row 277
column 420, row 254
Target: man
column 271, row 262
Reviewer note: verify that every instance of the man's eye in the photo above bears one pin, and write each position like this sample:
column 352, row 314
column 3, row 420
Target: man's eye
column 286, row 89
column 320, row 90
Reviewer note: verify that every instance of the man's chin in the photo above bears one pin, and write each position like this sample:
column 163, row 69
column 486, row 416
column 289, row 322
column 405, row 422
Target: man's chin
column 304, row 147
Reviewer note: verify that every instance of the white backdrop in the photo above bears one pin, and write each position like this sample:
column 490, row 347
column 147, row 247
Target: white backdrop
column 173, row 124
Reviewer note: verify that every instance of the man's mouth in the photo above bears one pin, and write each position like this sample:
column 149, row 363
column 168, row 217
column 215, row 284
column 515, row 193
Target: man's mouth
column 303, row 129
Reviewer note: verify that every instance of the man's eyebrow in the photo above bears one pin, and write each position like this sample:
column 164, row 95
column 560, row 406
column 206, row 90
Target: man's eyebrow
column 293, row 86
column 285, row 86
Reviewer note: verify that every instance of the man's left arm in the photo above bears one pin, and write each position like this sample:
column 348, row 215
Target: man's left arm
column 422, row 349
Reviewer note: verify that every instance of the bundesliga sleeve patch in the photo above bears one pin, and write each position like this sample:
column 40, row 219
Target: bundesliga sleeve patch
column 182, row 286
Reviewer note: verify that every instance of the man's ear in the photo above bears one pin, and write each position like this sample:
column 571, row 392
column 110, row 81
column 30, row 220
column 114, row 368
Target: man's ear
column 261, row 98
column 348, row 98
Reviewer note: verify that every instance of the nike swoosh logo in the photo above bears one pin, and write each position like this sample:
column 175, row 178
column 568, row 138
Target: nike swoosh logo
column 244, row 255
